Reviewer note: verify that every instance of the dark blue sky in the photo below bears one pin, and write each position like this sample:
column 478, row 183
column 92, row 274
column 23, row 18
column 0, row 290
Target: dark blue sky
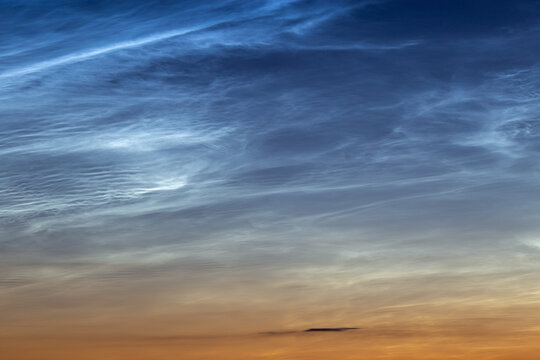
column 149, row 139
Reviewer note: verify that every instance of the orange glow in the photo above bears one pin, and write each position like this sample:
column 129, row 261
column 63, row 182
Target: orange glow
column 301, row 346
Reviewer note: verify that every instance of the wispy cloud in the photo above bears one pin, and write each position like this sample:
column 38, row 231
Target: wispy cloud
column 204, row 159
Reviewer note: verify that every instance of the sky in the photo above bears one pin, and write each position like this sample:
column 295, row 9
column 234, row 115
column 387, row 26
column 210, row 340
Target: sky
column 210, row 179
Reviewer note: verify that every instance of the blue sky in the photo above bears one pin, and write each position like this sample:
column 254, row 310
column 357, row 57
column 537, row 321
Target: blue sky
column 267, row 142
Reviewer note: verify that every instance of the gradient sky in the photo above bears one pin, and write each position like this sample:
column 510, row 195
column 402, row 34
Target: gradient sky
column 207, row 179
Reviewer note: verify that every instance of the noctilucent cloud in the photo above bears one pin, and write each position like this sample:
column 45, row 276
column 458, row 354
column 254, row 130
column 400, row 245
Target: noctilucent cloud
column 175, row 174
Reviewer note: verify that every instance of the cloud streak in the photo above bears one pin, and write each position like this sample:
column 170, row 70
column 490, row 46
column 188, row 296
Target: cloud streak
column 86, row 55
